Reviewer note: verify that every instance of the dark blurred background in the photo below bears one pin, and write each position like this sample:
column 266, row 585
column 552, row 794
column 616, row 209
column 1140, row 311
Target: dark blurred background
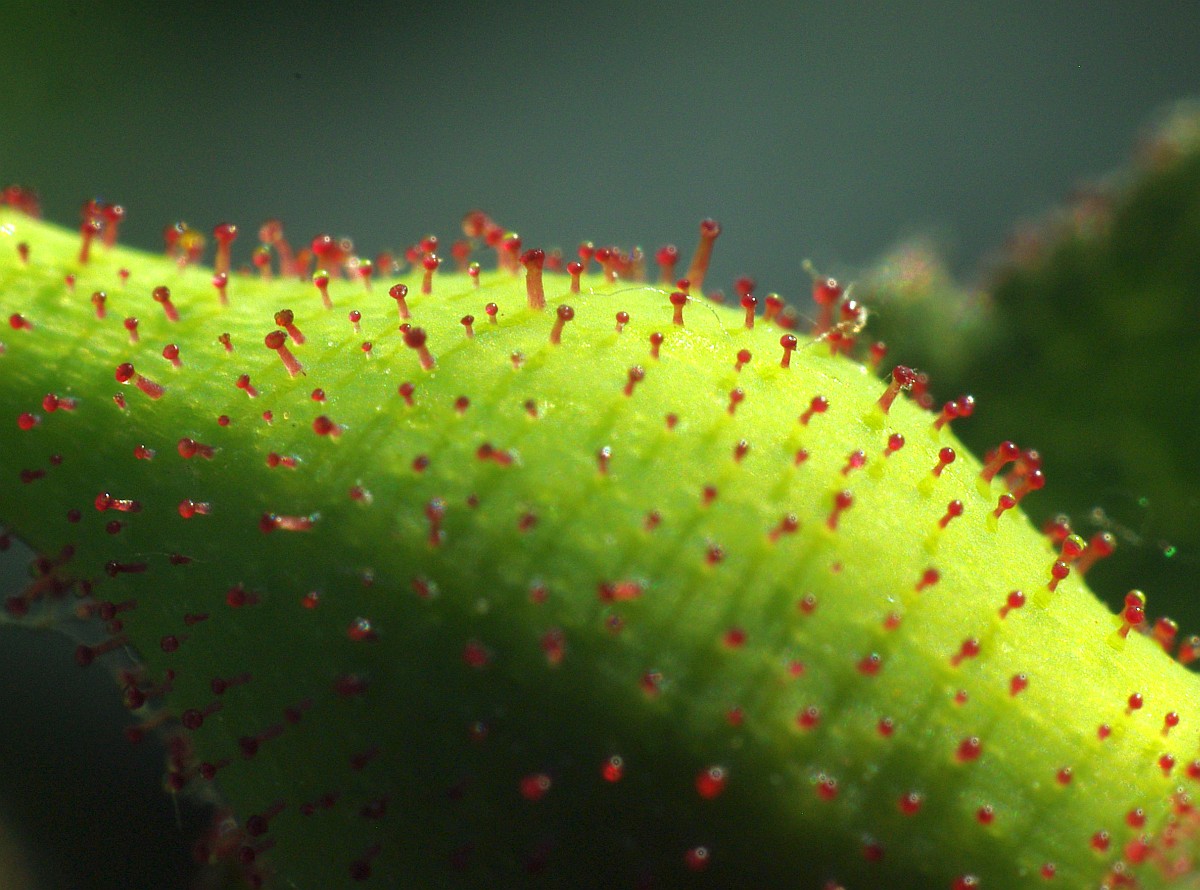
column 820, row 130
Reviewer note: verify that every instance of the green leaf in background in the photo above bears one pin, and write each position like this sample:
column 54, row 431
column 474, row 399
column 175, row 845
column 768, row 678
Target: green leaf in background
column 1084, row 346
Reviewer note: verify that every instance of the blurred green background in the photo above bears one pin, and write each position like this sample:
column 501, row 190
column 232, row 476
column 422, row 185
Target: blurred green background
column 829, row 131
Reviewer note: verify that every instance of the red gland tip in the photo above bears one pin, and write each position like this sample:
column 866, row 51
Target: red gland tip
column 533, row 260
column 789, row 343
column 262, row 261
column 636, row 376
column 563, row 315
column 1102, row 544
column 476, row 223
column 1134, row 613
column 1005, row 503
column 88, row 231
column 607, row 258
column 189, row 508
column 125, row 374
column 736, row 396
column 327, row 250
column 324, row 426
column 399, row 293
column 1033, row 481
column 1072, row 547
column 842, row 501
column 826, row 294
column 818, row 405
column 414, row 338
column 1005, row 453
column 461, row 251
column 709, row 230
column 969, row 749
column 878, row 351
column 114, row 215
column 430, row 263
column 364, row 270
column 953, row 510
column 968, row 649
column 963, row 406
column 285, row 318
column 162, row 294
column 586, row 251
column 224, row 234
column 788, row 525
column 678, row 301
column 855, row 460
column 929, row 577
column 277, row 340
column 243, row 383
column 711, row 782
column 656, row 341
column 271, row 232
column 749, row 303
column 189, row 448
column 221, row 282
column 773, row 306
column 1164, row 633
column 321, row 280
column 946, row 456
column 902, row 378
column 667, row 257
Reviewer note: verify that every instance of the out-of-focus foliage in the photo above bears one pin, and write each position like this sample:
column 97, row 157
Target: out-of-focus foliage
column 1085, row 344
column 927, row 318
